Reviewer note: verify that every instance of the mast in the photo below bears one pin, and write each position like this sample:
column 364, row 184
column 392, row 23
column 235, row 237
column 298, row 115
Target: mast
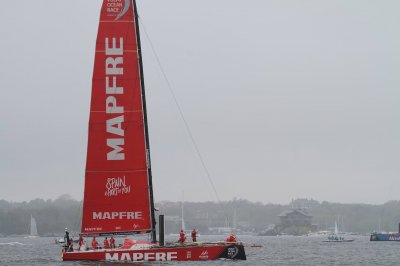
column 146, row 130
column 182, row 218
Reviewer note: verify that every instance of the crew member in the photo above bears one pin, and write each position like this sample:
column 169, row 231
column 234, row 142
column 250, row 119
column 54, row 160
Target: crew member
column 182, row 237
column 106, row 244
column 71, row 245
column 194, row 235
column 112, row 242
column 66, row 239
column 95, row 244
column 81, row 242
column 231, row 238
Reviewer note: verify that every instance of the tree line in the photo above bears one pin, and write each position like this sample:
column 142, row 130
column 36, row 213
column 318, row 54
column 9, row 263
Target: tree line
column 52, row 216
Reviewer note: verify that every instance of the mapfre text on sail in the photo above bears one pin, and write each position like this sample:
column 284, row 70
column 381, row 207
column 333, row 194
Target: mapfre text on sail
column 114, row 71
column 117, row 215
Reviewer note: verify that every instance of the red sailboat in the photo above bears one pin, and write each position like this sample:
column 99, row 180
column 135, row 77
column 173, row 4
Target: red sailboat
column 118, row 194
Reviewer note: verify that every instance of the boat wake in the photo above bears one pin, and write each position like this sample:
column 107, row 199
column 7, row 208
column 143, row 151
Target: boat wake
column 14, row 244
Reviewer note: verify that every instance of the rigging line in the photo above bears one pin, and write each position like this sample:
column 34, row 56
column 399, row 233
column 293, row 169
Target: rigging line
column 180, row 111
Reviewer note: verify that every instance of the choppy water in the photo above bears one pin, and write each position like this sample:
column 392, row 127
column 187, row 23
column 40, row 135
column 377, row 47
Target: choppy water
column 275, row 251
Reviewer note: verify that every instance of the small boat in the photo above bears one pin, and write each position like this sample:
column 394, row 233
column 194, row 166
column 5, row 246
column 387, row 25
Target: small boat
column 118, row 193
column 336, row 237
column 61, row 241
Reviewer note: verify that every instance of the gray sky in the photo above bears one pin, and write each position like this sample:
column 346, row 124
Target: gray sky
column 285, row 98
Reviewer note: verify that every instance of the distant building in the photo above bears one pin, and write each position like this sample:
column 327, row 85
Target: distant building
column 304, row 204
column 295, row 222
column 295, row 217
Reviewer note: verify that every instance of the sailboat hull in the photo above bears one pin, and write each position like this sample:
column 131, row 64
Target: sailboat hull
column 211, row 251
column 337, row 241
column 385, row 237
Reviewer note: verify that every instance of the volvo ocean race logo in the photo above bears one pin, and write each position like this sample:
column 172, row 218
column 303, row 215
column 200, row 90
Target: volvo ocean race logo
column 116, row 186
column 232, row 252
column 118, row 7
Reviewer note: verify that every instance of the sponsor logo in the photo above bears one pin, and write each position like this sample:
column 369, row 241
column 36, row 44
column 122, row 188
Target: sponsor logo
column 232, row 252
column 116, row 186
column 117, row 8
column 92, row 229
column 114, row 50
column 145, row 256
column 117, row 215
column 204, row 255
column 394, row 238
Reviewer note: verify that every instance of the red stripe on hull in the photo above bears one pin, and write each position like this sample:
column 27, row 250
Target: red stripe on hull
column 173, row 253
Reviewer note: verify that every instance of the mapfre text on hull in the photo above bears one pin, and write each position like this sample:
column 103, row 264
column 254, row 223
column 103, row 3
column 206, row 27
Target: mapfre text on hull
column 168, row 253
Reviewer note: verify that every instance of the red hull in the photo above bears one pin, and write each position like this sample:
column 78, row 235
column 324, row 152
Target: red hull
column 167, row 253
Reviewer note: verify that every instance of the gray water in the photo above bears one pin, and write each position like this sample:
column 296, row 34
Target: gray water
column 275, row 251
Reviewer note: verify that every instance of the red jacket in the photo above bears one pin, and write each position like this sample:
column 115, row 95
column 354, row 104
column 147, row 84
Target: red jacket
column 182, row 236
column 95, row 244
column 106, row 244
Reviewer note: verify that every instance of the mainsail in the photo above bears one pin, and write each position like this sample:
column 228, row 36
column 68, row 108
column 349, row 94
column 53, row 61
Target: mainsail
column 117, row 195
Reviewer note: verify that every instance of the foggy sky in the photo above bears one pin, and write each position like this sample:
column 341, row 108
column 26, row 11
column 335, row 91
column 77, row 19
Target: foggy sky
column 285, row 98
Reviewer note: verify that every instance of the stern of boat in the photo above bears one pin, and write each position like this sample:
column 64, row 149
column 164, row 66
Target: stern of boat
column 234, row 252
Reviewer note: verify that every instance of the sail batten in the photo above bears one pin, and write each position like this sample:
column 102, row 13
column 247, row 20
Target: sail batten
column 116, row 195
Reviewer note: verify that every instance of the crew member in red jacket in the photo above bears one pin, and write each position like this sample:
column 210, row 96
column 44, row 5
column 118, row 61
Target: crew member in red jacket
column 81, row 242
column 95, row 244
column 182, row 237
column 71, row 245
column 106, row 244
column 231, row 238
column 112, row 242
column 194, row 235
